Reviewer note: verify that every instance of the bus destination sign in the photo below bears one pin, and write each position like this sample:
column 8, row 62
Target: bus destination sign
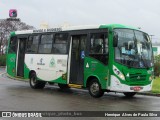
column 47, row 30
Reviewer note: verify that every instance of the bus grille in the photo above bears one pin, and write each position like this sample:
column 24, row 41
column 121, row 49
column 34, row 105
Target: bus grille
column 137, row 77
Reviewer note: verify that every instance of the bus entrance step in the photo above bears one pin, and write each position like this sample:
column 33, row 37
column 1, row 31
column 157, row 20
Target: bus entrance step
column 75, row 86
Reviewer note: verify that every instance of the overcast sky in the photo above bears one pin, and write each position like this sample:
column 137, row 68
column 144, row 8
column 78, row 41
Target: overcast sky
column 137, row 13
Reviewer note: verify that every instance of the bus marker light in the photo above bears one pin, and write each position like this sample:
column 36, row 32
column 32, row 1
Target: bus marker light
column 64, row 76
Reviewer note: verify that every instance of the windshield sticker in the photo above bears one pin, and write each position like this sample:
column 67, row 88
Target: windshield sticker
column 123, row 50
column 128, row 52
column 132, row 52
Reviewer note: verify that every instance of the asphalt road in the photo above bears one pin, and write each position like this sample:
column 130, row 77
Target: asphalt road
column 18, row 96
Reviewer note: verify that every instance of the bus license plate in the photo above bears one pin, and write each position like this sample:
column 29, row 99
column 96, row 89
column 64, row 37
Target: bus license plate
column 137, row 88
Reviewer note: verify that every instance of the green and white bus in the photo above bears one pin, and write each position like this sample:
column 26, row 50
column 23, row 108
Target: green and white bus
column 102, row 58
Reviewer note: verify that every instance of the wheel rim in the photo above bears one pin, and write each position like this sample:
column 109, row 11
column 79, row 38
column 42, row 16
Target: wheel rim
column 94, row 88
column 33, row 80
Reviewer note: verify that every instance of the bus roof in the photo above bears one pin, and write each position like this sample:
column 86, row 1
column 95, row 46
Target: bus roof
column 70, row 28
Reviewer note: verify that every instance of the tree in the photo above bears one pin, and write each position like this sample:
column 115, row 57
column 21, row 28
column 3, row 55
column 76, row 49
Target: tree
column 9, row 25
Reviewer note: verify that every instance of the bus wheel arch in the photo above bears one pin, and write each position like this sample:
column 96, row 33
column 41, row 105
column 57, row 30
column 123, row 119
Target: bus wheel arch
column 94, row 87
column 31, row 72
column 34, row 83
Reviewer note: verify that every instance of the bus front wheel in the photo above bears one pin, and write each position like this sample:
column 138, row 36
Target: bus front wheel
column 129, row 94
column 36, row 84
column 95, row 89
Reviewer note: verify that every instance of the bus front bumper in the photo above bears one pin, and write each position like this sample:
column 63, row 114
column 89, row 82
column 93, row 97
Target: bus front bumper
column 117, row 86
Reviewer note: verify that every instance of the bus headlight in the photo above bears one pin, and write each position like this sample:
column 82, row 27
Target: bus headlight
column 122, row 76
column 118, row 73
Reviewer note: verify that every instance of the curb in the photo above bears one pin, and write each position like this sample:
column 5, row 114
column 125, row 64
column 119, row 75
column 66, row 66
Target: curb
column 18, row 79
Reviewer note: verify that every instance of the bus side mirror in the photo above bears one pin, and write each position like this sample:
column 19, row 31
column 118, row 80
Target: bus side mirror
column 115, row 40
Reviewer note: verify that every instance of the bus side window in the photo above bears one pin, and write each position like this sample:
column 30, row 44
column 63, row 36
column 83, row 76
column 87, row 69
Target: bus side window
column 99, row 47
column 96, row 43
column 32, row 44
column 45, row 45
column 60, row 43
column 13, row 45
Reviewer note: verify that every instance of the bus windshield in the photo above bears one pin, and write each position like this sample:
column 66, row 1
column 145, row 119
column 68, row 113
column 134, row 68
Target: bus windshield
column 133, row 49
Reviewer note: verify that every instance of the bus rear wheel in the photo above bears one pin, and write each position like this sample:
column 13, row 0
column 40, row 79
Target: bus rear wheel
column 36, row 84
column 95, row 89
column 129, row 94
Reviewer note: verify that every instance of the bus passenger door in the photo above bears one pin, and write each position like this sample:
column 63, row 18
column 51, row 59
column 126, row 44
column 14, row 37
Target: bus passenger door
column 77, row 59
column 20, row 56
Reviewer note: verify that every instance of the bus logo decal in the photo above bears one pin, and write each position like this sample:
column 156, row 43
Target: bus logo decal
column 87, row 65
column 63, row 62
column 52, row 63
column 41, row 62
column 138, row 77
column 12, row 59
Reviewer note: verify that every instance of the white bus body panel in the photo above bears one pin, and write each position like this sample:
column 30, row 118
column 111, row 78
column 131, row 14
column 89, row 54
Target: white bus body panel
column 48, row 67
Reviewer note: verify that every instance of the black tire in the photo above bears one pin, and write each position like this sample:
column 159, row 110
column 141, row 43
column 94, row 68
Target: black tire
column 95, row 89
column 63, row 86
column 129, row 94
column 36, row 84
